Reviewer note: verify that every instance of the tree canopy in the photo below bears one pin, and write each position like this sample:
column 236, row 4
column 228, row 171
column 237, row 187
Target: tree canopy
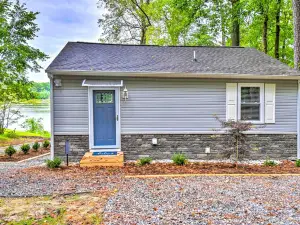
column 17, row 57
column 17, row 28
column 263, row 24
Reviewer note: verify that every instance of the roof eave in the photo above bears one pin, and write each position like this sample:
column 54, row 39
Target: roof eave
column 172, row 74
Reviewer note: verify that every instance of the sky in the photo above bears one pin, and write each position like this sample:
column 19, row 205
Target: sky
column 61, row 21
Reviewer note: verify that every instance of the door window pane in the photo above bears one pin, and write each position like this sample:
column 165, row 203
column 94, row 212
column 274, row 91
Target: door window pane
column 250, row 103
column 104, row 97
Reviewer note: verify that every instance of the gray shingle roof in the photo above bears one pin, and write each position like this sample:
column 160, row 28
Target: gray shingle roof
column 80, row 56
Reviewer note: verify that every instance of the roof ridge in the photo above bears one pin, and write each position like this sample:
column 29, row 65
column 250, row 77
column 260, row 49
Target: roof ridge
column 166, row 46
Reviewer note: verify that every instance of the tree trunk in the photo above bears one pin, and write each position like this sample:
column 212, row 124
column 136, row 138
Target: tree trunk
column 143, row 36
column 283, row 53
column 235, row 35
column 223, row 30
column 296, row 8
column 265, row 33
column 277, row 32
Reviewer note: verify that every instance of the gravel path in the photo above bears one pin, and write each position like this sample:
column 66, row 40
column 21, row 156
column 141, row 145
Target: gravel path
column 5, row 167
column 206, row 200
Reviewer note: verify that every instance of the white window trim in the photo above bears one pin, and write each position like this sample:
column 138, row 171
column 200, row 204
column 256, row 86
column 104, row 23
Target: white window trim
column 262, row 101
column 91, row 119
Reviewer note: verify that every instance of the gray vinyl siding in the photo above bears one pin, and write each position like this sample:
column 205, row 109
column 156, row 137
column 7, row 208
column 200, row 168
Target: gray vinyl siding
column 167, row 105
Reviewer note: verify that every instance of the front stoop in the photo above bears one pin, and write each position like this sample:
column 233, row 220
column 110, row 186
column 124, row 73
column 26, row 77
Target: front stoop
column 90, row 160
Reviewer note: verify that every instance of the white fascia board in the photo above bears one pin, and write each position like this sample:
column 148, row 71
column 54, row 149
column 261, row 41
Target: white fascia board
column 173, row 75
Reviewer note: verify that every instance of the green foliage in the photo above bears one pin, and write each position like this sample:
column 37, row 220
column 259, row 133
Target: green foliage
column 269, row 162
column 25, row 148
column 12, row 134
column 17, row 57
column 144, row 161
column 124, row 21
column 55, row 163
column 46, row 144
column 10, row 151
column 17, row 28
column 33, row 125
column 297, row 163
column 179, row 159
column 41, row 90
column 200, row 22
column 36, row 146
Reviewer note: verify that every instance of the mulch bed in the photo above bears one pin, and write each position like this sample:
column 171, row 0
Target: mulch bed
column 210, row 168
column 19, row 156
column 285, row 167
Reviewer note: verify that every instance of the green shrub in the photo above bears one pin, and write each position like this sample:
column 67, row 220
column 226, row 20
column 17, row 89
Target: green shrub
column 179, row 159
column 269, row 162
column 55, row 163
column 10, row 151
column 36, row 146
column 33, row 125
column 144, row 161
column 298, row 163
column 46, row 144
column 12, row 134
column 25, row 148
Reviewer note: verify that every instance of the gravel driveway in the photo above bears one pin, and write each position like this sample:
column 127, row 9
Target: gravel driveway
column 8, row 166
column 206, row 200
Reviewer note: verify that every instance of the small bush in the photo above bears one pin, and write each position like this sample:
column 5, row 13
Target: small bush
column 179, row 159
column 298, row 163
column 25, row 148
column 12, row 134
column 36, row 146
column 144, row 161
column 55, row 163
column 269, row 162
column 46, row 144
column 10, row 151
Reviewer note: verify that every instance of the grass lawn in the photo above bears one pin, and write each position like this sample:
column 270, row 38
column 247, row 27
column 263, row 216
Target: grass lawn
column 19, row 137
column 36, row 101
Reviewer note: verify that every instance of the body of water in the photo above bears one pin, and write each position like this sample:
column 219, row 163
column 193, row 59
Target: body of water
column 37, row 111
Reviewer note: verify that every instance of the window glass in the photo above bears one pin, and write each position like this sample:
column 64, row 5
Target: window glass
column 250, row 103
column 104, row 97
column 250, row 94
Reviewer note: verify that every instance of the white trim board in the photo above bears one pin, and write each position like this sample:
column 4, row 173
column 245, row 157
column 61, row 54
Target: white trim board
column 298, row 121
column 91, row 118
column 179, row 132
column 51, row 116
column 172, row 75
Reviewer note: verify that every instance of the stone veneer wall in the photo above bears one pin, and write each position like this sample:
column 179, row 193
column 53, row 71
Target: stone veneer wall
column 134, row 146
column 79, row 144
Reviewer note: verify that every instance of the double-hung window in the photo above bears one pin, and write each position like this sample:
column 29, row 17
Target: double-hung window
column 251, row 102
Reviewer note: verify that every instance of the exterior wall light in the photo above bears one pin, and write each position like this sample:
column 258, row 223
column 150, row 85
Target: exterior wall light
column 57, row 82
column 154, row 141
column 125, row 93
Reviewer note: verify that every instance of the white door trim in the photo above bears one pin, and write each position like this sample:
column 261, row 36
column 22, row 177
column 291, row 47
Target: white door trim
column 92, row 147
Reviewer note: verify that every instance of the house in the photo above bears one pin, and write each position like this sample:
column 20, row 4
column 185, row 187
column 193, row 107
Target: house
column 155, row 101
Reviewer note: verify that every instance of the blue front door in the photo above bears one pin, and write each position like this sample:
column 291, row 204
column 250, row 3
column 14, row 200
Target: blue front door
column 104, row 118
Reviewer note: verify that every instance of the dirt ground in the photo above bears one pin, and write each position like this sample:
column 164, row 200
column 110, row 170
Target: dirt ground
column 69, row 209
